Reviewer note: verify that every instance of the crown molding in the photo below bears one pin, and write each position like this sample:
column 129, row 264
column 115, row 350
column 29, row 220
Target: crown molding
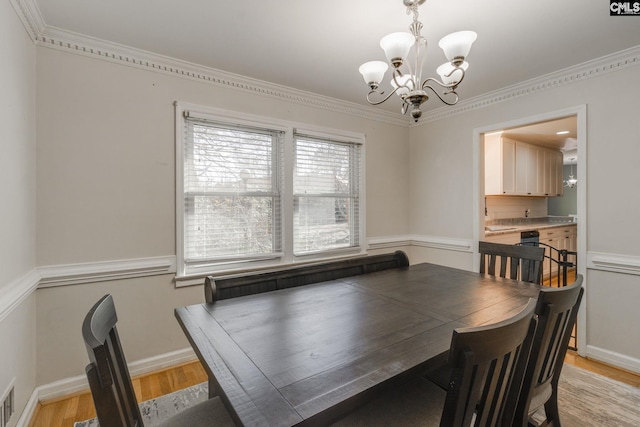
column 29, row 14
column 55, row 38
column 594, row 68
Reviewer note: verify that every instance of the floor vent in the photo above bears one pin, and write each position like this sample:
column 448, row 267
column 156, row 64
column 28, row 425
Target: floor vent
column 8, row 405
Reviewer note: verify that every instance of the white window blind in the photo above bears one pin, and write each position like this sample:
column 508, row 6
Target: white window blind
column 326, row 195
column 232, row 192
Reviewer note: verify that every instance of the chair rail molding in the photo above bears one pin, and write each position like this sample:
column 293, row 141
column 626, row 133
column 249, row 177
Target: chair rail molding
column 72, row 274
column 446, row 243
column 615, row 263
column 15, row 292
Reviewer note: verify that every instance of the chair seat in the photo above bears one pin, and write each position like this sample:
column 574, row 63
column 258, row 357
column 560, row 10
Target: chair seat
column 416, row 403
column 210, row 413
column 540, row 396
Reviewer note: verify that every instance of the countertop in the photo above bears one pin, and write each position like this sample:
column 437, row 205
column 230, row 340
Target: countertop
column 518, row 225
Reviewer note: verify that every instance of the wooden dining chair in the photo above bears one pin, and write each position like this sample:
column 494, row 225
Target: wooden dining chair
column 557, row 309
column 483, row 375
column 515, row 262
column 110, row 383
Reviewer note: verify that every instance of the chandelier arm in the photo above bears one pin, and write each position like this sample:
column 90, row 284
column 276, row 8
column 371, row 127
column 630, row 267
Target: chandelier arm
column 426, row 86
column 379, row 93
column 451, row 86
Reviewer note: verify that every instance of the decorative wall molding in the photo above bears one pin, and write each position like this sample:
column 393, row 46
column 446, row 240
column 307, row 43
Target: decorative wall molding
column 446, row 243
column 59, row 39
column 576, row 73
column 614, row 359
column 14, row 293
column 73, row 274
column 613, row 262
column 29, row 14
column 388, row 242
column 435, row 242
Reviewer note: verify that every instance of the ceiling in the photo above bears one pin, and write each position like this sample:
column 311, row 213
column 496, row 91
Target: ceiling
column 318, row 46
column 546, row 134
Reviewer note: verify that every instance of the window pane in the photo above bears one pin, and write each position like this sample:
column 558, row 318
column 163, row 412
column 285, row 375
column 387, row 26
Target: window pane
column 231, row 192
column 229, row 160
column 228, row 226
column 321, row 223
column 326, row 199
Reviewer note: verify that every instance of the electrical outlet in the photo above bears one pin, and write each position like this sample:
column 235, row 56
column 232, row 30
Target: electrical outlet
column 7, row 405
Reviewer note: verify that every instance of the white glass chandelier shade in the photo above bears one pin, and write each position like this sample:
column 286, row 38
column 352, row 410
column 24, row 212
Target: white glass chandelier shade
column 450, row 74
column 373, row 71
column 406, row 84
column 406, row 53
column 396, row 47
column 456, row 46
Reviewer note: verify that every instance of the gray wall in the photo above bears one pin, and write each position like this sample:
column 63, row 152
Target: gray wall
column 568, row 203
column 106, row 191
column 442, row 185
column 18, row 198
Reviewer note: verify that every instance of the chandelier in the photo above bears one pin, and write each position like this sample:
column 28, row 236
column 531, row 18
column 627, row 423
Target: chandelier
column 406, row 77
column 571, row 182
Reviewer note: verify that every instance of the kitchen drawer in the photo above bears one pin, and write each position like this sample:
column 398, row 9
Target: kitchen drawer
column 505, row 238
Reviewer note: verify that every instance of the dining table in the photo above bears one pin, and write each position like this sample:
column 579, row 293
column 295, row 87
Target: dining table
column 309, row 355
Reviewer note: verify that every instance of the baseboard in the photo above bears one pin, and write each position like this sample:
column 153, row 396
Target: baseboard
column 69, row 386
column 29, row 410
column 614, row 359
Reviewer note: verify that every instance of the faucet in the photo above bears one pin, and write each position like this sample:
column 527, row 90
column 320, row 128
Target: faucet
column 527, row 212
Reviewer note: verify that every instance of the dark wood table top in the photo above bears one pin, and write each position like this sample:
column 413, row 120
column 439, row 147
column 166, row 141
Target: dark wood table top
column 306, row 355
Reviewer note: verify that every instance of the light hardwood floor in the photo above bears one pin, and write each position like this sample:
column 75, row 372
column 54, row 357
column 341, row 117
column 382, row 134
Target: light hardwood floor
column 65, row 411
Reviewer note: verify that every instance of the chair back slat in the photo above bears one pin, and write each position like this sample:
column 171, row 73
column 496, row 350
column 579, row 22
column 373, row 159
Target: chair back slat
column 484, row 374
column 557, row 309
column 108, row 374
column 523, row 262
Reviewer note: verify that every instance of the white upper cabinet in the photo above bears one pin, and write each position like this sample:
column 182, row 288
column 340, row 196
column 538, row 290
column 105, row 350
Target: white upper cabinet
column 521, row 169
column 499, row 165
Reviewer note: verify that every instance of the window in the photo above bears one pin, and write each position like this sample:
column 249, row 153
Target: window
column 254, row 192
column 326, row 195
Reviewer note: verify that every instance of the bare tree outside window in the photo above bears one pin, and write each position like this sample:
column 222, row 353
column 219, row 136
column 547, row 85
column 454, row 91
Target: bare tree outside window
column 232, row 193
column 325, row 195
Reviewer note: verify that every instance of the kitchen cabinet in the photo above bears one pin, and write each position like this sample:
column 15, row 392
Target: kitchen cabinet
column 521, row 169
column 558, row 238
column 552, row 165
column 504, row 238
column 499, row 165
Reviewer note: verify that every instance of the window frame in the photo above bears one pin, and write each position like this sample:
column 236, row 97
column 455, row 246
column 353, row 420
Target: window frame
column 191, row 274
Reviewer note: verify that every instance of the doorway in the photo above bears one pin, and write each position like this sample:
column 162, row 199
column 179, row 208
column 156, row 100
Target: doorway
column 531, row 129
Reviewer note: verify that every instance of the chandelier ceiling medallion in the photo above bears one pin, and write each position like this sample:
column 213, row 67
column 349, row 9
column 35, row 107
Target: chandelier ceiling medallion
column 406, row 77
